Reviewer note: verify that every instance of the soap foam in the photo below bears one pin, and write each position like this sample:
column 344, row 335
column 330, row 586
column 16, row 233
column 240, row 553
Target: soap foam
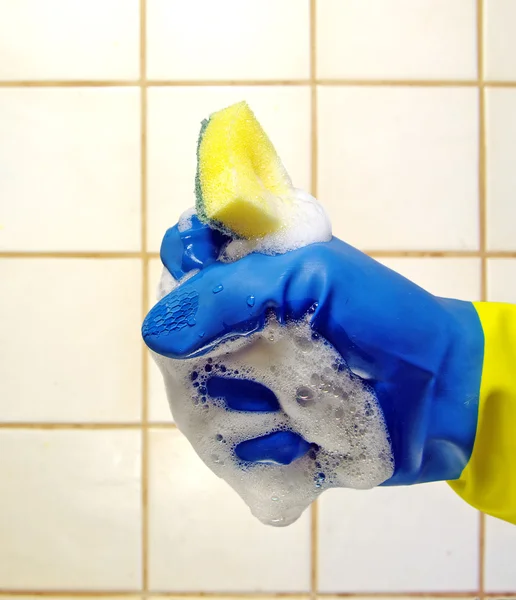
column 167, row 284
column 305, row 222
column 320, row 399
column 185, row 220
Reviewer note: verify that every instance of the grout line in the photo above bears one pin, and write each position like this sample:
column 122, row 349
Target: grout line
column 258, row 82
column 482, row 212
column 86, row 425
column 228, row 82
column 67, row 593
column 68, row 254
column 138, row 594
column 375, row 253
column 472, row 594
column 313, row 93
column 424, row 253
column 314, row 548
column 145, row 307
column 398, row 82
column 497, row 84
column 157, row 83
column 314, row 509
column 481, row 556
column 414, row 83
column 201, row 594
column 68, row 84
column 250, row 595
column 482, row 199
column 65, row 426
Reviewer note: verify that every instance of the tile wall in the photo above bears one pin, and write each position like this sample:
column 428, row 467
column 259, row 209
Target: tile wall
column 400, row 115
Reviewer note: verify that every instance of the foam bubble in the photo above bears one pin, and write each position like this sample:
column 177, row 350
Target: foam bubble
column 305, row 222
column 330, row 407
column 168, row 282
column 185, row 220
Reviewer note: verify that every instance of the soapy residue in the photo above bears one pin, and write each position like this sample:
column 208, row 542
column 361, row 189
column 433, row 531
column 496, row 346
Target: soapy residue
column 304, row 222
column 320, row 398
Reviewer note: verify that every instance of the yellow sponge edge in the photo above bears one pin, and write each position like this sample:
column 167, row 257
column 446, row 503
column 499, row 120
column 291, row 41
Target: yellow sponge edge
column 240, row 178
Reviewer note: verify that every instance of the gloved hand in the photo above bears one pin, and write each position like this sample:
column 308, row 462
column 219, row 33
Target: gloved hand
column 422, row 355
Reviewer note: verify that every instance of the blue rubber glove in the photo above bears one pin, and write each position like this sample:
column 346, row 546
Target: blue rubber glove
column 419, row 353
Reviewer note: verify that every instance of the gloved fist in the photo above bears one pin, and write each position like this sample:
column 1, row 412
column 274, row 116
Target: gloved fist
column 312, row 369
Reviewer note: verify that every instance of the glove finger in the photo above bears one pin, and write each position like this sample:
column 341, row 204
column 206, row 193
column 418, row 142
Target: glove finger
column 224, row 300
column 242, row 394
column 281, row 447
column 195, row 247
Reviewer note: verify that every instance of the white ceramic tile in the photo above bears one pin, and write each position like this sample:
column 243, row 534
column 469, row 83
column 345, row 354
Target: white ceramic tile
column 243, row 596
column 60, row 597
column 392, row 597
column 446, row 277
column 500, row 39
column 70, row 330
column 421, row 537
column 69, row 39
column 203, row 537
column 155, row 270
column 501, row 175
column 71, row 511
column 174, row 119
column 49, row 596
column 396, row 39
column 501, row 280
column 500, row 556
column 228, row 39
column 159, row 410
column 398, row 166
column 69, row 169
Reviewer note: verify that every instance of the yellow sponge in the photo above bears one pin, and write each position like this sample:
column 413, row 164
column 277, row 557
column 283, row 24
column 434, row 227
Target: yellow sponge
column 240, row 179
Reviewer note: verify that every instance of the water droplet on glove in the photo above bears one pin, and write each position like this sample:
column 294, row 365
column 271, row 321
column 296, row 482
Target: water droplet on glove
column 304, row 396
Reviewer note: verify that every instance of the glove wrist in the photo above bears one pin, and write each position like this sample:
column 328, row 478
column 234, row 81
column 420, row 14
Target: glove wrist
column 439, row 435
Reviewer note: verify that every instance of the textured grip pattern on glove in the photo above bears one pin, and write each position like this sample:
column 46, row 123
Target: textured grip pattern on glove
column 174, row 313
